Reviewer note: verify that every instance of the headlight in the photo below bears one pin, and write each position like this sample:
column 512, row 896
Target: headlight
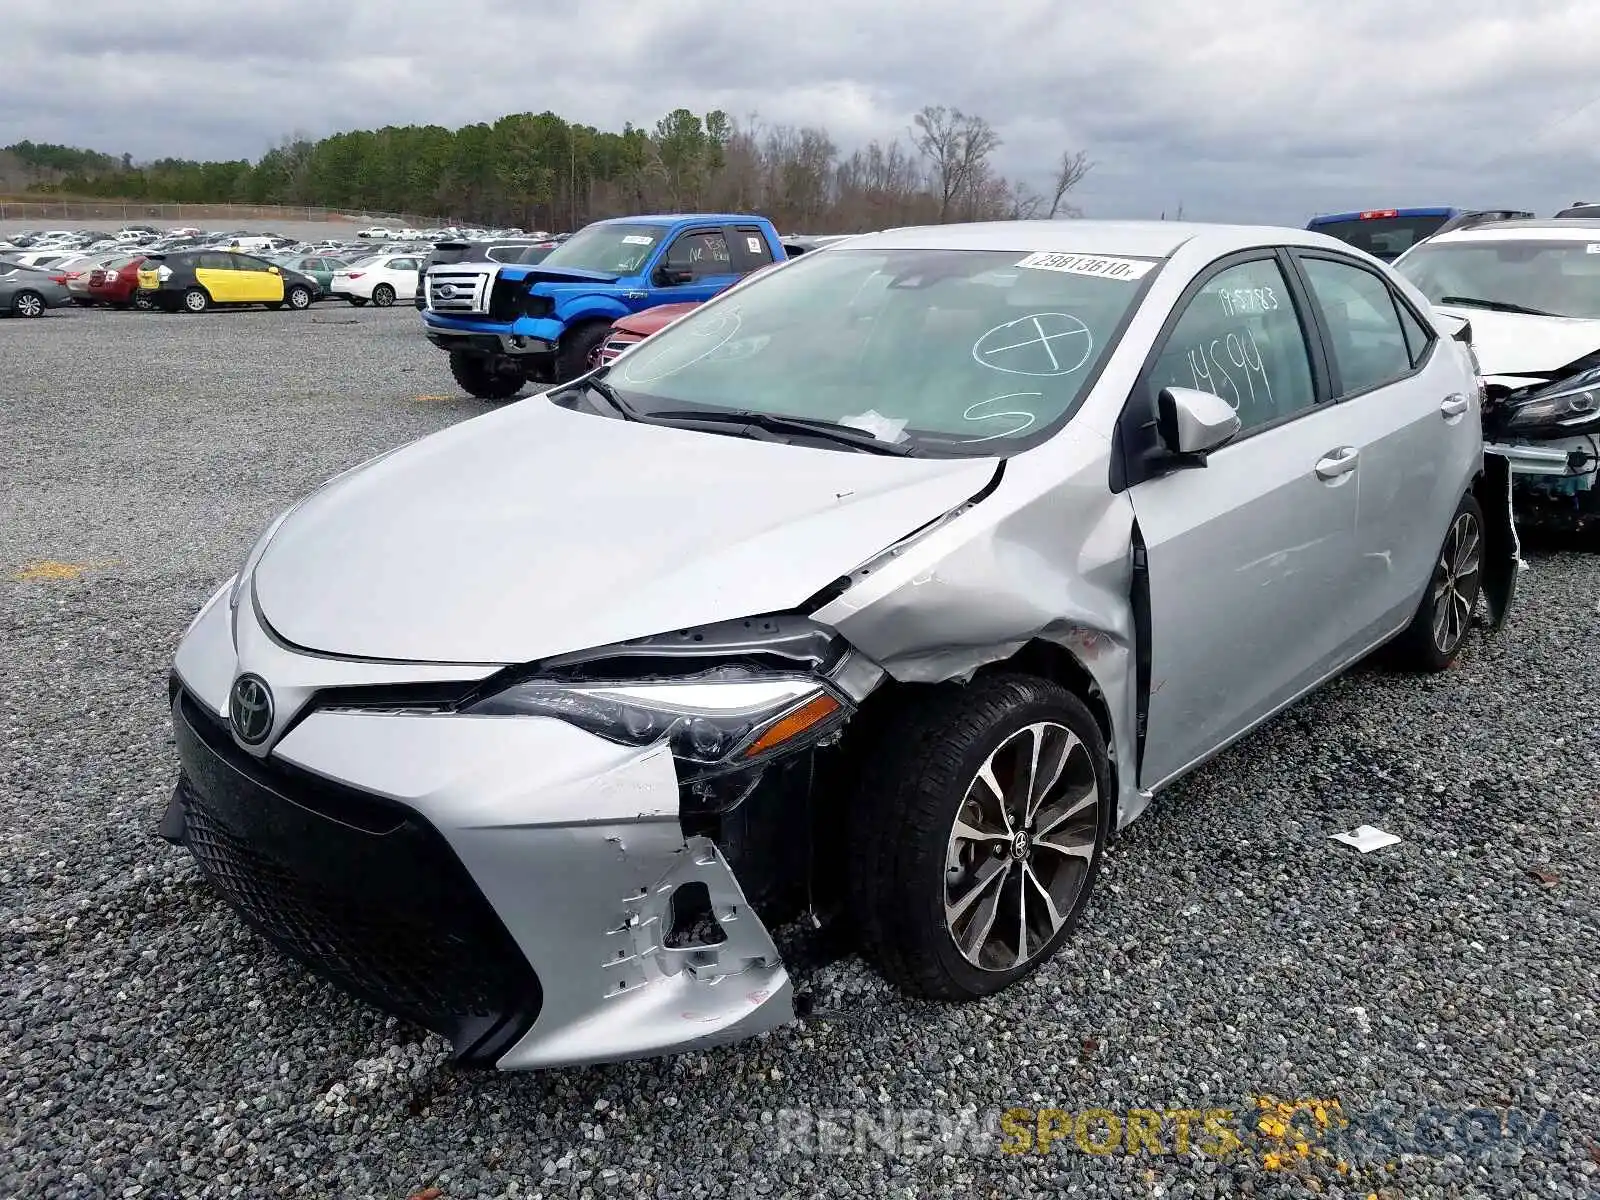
column 724, row 720
column 725, row 697
column 1577, row 402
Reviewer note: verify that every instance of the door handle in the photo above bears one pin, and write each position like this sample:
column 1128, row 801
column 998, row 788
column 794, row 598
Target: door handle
column 1454, row 405
column 1337, row 462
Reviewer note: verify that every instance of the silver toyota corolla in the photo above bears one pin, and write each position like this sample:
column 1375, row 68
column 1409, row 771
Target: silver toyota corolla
column 880, row 590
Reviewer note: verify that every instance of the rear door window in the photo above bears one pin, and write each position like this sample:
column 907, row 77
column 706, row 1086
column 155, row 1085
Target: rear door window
column 1358, row 310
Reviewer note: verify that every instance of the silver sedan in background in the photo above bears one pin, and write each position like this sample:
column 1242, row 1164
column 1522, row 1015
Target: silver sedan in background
column 29, row 291
column 881, row 589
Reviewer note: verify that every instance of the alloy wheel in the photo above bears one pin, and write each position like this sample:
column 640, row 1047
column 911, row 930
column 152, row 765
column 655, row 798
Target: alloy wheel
column 195, row 300
column 1456, row 582
column 1021, row 847
column 29, row 305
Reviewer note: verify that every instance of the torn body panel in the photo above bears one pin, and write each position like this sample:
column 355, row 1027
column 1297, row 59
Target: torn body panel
column 1502, row 561
column 975, row 590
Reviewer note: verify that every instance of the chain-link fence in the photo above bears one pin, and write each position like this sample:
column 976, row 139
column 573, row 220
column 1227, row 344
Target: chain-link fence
column 116, row 210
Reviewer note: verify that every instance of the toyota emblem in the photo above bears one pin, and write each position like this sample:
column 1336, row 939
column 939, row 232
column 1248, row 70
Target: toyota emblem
column 250, row 709
column 444, row 289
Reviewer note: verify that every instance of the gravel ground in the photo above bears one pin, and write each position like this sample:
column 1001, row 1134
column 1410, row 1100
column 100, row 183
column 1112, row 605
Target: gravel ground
column 152, row 1047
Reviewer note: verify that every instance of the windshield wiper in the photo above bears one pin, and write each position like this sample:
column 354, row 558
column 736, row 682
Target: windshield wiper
column 607, row 393
column 832, row 431
column 1504, row 306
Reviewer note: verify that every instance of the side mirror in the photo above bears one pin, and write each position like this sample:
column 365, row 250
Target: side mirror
column 1193, row 423
column 672, row 276
column 276, row 270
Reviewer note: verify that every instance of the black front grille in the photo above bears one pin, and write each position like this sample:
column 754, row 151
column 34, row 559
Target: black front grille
column 510, row 299
column 361, row 890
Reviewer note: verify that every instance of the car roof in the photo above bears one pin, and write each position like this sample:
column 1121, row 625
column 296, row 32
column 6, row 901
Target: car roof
column 672, row 218
column 1137, row 239
column 1428, row 211
column 1550, row 229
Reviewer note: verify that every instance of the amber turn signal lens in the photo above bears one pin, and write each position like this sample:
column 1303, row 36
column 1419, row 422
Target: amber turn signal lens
column 797, row 722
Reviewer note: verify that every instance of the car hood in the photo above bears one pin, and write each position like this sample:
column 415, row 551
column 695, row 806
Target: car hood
column 536, row 274
column 536, row 530
column 653, row 320
column 1515, row 344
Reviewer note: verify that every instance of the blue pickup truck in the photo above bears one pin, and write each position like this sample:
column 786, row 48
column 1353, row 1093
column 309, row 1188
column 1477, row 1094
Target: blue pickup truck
column 506, row 324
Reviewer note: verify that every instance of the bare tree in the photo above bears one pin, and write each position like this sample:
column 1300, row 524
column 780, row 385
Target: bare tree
column 1070, row 171
column 958, row 146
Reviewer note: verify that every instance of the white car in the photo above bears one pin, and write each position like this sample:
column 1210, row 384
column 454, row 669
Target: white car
column 382, row 279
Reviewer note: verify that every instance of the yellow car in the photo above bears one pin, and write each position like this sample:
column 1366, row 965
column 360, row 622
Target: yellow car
column 194, row 280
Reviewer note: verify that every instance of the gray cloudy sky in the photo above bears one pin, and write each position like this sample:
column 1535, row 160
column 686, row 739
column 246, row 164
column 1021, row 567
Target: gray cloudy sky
column 1239, row 109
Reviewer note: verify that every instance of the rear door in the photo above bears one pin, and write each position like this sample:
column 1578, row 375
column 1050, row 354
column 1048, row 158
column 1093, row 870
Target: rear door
column 214, row 270
column 1247, row 557
column 1416, row 427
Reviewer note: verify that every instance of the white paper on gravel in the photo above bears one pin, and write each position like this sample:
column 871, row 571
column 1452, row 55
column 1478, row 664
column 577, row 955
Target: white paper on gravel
column 1366, row 838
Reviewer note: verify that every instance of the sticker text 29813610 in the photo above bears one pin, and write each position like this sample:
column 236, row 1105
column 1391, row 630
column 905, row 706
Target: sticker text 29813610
column 1097, row 265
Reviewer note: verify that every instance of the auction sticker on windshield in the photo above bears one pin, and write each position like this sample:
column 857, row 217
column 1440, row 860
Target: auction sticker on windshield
column 637, row 239
column 1088, row 264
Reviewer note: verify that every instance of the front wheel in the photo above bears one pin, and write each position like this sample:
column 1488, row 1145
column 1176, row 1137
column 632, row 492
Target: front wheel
column 142, row 302
column 28, row 304
column 976, row 834
column 383, row 295
column 578, row 346
column 477, row 375
column 298, row 297
column 1435, row 636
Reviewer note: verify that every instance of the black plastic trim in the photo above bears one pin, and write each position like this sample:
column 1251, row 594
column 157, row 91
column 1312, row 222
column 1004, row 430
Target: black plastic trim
column 390, row 916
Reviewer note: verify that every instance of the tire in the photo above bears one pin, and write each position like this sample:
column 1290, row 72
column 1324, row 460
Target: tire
column 27, row 304
column 1435, row 636
column 195, row 300
column 477, row 376
column 911, row 874
column 142, row 302
column 298, row 298
column 577, row 344
column 383, row 296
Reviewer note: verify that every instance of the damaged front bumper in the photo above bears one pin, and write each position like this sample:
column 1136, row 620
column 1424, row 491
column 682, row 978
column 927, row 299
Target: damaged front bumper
column 513, row 884
column 1554, row 481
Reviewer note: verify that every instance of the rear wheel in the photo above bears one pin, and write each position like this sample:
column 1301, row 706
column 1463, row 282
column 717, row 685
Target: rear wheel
column 28, row 304
column 1434, row 638
column 195, row 300
column 383, row 295
column 976, row 834
column 477, row 375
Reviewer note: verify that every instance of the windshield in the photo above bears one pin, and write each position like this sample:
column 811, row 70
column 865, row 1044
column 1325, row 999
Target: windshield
column 610, row 249
column 1557, row 278
column 955, row 351
column 1383, row 237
